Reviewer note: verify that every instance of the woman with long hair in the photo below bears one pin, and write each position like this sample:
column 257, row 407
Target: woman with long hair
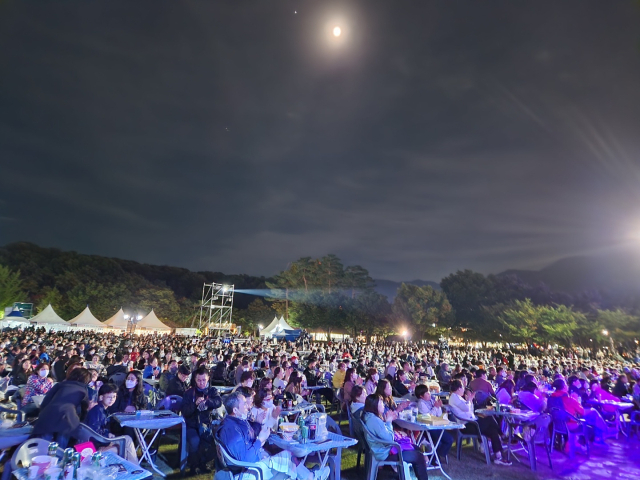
column 386, row 393
column 351, row 378
column 371, row 381
column 378, row 423
column 21, row 371
column 130, row 394
column 505, row 392
column 295, row 384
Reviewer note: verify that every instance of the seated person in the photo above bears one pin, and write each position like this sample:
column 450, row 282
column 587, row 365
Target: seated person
column 379, row 424
column 358, row 396
column 97, row 420
column 384, row 391
column 179, row 383
column 505, row 392
column 295, row 384
column 197, row 404
column 152, row 370
column 461, row 404
column 401, row 384
column 38, row 384
column 131, row 395
column 532, row 398
column 167, row 375
column 427, row 405
column 263, row 410
column 244, row 440
column 561, row 399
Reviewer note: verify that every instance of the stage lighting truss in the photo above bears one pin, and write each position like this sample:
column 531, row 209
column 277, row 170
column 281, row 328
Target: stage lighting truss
column 216, row 308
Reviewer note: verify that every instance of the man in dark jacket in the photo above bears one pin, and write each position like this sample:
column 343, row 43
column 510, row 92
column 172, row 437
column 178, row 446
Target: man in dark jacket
column 167, row 375
column 220, row 373
column 117, row 367
column 178, row 384
column 197, row 404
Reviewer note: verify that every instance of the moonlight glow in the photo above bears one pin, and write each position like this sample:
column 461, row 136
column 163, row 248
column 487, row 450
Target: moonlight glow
column 336, row 31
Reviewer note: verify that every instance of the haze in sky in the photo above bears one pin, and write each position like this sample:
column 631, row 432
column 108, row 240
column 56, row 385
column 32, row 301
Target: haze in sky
column 239, row 136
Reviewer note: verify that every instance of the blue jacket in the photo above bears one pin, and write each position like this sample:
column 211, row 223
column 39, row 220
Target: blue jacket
column 240, row 438
column 378, row 429
column 97, row 420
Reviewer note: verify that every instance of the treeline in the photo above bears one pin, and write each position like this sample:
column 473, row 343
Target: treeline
column 324, row 294
column 70, row 281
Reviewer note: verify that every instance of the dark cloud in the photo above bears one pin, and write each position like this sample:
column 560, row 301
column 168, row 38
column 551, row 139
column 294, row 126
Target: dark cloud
column 239, row 136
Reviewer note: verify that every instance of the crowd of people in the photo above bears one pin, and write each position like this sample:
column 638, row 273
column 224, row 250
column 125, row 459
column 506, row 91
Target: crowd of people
column 86, row 377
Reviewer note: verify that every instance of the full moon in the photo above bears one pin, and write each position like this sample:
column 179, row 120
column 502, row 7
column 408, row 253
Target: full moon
column 337, row 31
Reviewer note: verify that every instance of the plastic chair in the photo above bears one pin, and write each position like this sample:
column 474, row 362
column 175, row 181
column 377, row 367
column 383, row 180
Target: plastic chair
column 358, row 431
column 118, row 378
column 349, row 417
column 29, row 449
column 475, row 437
column 230, row 464
column 18, row 413
column 559, row 419
column 540, row 437
column 373, row 463
column 171, row 402
column 85, row 433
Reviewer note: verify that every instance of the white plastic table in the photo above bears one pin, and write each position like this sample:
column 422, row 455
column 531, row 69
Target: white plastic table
column 513, row 418
column 433, row 461
column 321, row 447
column 142, row 424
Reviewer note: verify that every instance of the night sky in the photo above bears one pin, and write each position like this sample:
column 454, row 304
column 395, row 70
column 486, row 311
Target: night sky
column 238, row 136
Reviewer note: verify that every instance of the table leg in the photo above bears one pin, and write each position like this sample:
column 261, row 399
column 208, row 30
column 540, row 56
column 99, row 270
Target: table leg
column 183, row 452
column 337, row 464
column 145, row 449
column 434, row 454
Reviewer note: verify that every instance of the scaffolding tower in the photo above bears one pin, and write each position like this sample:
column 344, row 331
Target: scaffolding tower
column 216, row 308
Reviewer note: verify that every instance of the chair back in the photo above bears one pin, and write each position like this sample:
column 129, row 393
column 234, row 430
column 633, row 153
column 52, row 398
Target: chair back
column 481, row 399
column 84, row 433
column 358, row 429
column 29, row 449
column 118, row 378
column 171, row 402
column 542, row 428
column 559, row 418
column 332, row 426
column 227, row 462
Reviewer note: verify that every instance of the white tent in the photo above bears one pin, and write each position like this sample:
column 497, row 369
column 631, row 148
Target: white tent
column 117, row 321
column 49, row 319
column 151, row 322
column 86, row 320
column 275, row 327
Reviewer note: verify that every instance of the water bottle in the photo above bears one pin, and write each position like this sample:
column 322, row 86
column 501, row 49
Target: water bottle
column 313, row 427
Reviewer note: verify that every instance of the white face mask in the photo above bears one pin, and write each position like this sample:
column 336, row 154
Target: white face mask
column 130, row 383
column 268, row 403
column 376, row 377
column 43, row 373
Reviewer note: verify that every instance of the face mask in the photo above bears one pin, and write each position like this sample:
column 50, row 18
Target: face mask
column 376, row 377
column 43, row 373
column 174, row 370
column 130, row 383
column 268, row 403
column 243, row 416
column 245, row 369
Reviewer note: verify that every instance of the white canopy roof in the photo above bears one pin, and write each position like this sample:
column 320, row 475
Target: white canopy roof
column 151, row 322
column 276, row 327
column 117, row 321
column 48, row 316
column 86, row 319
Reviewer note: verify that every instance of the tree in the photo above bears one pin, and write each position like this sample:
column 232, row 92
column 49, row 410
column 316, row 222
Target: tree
column 531, row 323
column 258, row 312
column 10, row 287
column 357, row 280
column 366, row 314
column 423, row 309
column 50, row 296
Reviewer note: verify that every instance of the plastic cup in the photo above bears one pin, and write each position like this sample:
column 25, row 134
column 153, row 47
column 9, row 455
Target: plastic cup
column 52, row 473
column 33, row 472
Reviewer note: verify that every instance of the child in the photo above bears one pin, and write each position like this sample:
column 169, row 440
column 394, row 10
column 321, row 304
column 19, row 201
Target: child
column 427, row 405
column 97, row 419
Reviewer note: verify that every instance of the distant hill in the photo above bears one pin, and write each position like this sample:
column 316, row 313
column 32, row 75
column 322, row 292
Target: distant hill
column 617, row 271
column 389, row 288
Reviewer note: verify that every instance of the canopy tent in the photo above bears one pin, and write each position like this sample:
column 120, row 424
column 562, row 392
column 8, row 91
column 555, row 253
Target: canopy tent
column 117, row 321
column 14, row 319
column 49, row 319
column 276, row 327
column 151, row 322
column 86, row 320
